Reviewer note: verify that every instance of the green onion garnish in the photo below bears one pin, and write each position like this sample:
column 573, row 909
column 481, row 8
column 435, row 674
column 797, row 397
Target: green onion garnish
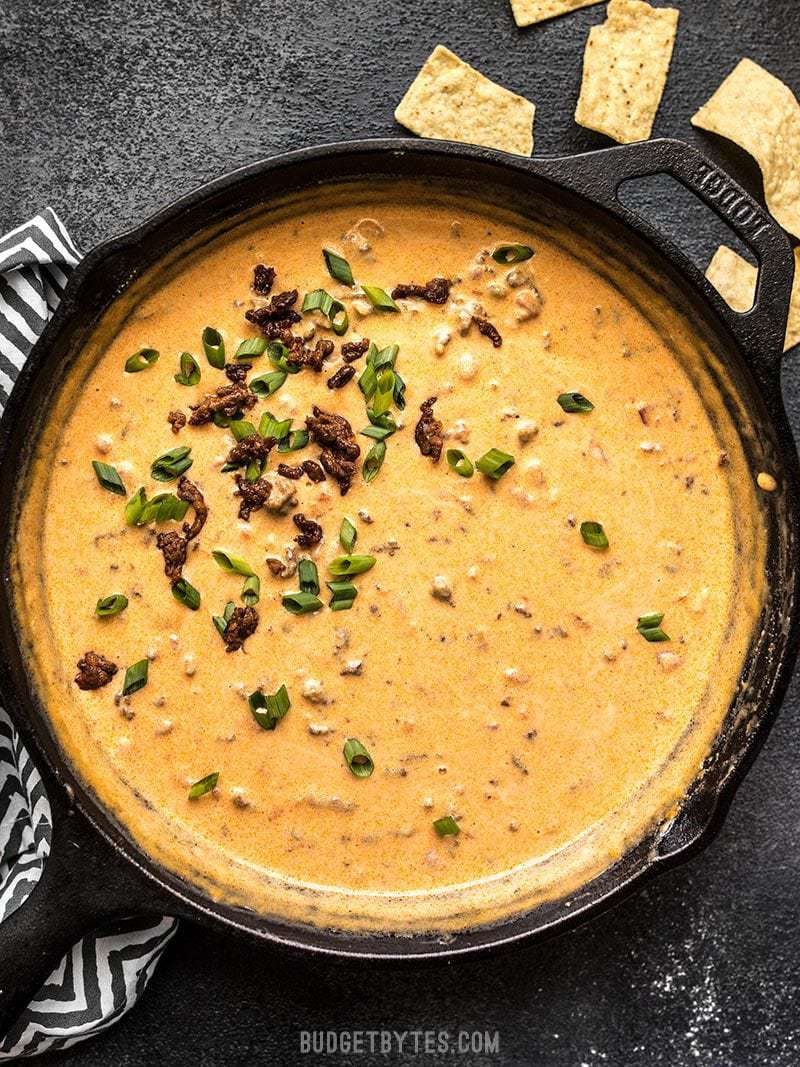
column 231, row 564
column 135, row 677
column 357, row 758
column 279, row 356
column 294, row 441
column 269, row 708
column 267, row 384
column 190, row 370
column 351, row 565
column 333, row 310
column 384, row 393
column 575, row 403
column 163, row 507
column 214, row 347
column 205, row 785
column 494, row 463
column 272, row 427
column 457, row 461
column 186, row 594
column 378, row 433
column 251, row 590
column 252, row 347
column 385, row 357
column 308, row 576
column 338, row 267
column 343, row 594
column 109, row 478
column 111, row 605
column 379, row 298
column 368, row 382
column 221, row 621
column 141, row 360
column 512, row 253
column 348, row 535
column 594, row 535
column 446, row 826
column 373, row 461
column 171, row 464
column 399, row 391
column 649, row 626
column 301, row 603
column 241, row 428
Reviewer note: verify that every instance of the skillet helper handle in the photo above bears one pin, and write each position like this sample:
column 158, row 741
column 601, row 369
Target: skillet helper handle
column 761, row 330
column 83, row 884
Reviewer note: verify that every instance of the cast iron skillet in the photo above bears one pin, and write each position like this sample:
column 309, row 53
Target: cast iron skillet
column 94, row 873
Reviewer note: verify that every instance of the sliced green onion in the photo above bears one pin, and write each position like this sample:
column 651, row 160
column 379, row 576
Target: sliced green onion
column 231, row 564
column 333, row 310
column 186, row 594
column 269, row 708
column 279, row 356
column 377, row 433
column 357, row 758
column 385, row 357
column 343, row 594
column 221, row 621
column 301, row 603
column 594, row 535
column 252, row 347
column 575, row 403
column 294, row 441
column 267, row 384
column 348, row 535
column 338, row 267
column 189, row 373
column 135, row 677
column 272, row 427
column 446, row 826
column 163, row 507
column 251, row 590
column 308, row 576
column 241, row 428
column 141, row 360
column 384, row 392
column 457, row 461
column 368, row 382
column 494, row 463
column 214, row 347
column 379, row 298
column 399, row 392
column 649, row 626
column 109, row 478
column 205, row 785
column 512, row 253
column 171, row 464
column 111, row 605
column 351, row 565
column 373, row 461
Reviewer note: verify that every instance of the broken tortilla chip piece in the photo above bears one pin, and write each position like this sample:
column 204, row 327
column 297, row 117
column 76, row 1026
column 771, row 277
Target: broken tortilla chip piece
column 625, row 69
column 758, row 112
column 450, row 100
column 735, row 280
column 526, row 12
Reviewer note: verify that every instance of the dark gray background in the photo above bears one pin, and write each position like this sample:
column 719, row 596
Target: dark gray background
column 108, row 111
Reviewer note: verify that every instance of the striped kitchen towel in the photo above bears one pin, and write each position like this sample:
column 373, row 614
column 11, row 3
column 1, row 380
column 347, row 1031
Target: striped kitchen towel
column 105, row 973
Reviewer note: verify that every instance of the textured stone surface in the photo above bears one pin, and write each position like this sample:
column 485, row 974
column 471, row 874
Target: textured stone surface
column 107, row 111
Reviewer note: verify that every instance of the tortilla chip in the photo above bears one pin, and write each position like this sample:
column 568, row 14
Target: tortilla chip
column 761, row 114
column 526, row 12
column 450, row 100
column 735, row 280
column 625, row 68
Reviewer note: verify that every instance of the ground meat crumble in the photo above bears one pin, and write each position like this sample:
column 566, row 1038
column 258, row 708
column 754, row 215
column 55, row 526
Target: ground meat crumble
column 173, row 545
column 254, row 495
column 228, row 400
column 429, row 431
column 353, row 350
column 310, row 531
column 177, row 421
column 237, row 372
column 242, row 624
column 342, row 376
column 94, row 671
column 263, row 279
column 488, row 330
column 252, row 449
column 340, row 449
column 436, row 291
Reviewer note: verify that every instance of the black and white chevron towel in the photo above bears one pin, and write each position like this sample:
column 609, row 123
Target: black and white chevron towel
column 104, row 974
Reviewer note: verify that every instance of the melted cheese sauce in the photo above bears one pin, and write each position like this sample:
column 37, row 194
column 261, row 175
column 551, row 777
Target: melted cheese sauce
column 525, row 704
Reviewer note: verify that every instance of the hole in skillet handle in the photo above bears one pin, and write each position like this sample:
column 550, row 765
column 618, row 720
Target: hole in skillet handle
column 686, row 833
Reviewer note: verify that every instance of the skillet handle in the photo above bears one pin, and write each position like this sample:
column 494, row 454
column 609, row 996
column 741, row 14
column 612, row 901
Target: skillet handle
column 84, row 884
column 760, row 331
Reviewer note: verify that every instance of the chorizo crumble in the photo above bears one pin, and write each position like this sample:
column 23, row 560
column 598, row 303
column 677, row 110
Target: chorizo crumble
column 177, row 421
column 94, row 671
column 242, row 624
column 340, row 449
column 263, row 279
column 310, row 531
column 436, row 291
column 488, row 330
column 237, row 372
column 254, row 495
column 228, row 401
column 353, row 350
column 342, row 376
column 173, row 545
column 429, row 431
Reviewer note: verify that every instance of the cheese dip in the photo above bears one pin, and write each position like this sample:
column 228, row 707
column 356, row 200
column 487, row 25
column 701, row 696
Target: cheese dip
column 389, row 560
